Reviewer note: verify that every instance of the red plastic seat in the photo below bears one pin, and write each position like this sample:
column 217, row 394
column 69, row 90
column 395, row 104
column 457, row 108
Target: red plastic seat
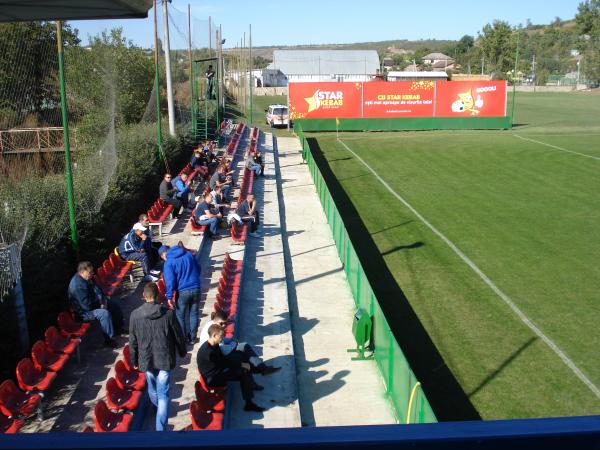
column 209, row 401
column 118, row 398
column 219, row 390
column 14, row 402
column 127, row 357
column 204, row 420
column 32, row 379
column 108, row 421
column 44, row 359
column 88, row 429
column 59, row 343
column 70, row 327
column 129, row 379
column 9, row 425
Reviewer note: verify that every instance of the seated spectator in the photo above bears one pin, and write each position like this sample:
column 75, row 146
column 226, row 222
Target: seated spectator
column 143, row 224
column 168, row 194
column 217, row 370
column 248, row 212
column 181, row 273
column 89, row 303
column 183, row 190
column 219, row 178
column 205, row 214
column 199, row 162
column 253, row 165
column 239, row 351
column 133, row 248
column 218, row 200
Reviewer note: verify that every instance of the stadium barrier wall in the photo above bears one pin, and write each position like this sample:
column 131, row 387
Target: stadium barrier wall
column 399, row 379
column 405, row 123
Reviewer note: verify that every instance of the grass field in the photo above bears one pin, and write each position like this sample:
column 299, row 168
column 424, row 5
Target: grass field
column 524, row 207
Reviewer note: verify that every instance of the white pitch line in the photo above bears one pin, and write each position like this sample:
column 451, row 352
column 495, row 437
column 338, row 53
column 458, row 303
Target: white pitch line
column 561, row 354
column 556, row 147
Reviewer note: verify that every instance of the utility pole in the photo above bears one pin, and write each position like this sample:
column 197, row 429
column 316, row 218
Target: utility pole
column 191, row 69
column 482, row 64
column 157, row 87
column 251, row 79
column 210, row 37
column 170, row 102
column 533, row 70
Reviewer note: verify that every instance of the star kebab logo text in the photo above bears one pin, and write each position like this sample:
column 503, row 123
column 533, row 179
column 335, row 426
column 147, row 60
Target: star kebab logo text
column 325, row 99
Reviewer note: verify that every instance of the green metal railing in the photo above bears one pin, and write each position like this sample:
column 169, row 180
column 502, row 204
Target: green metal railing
column 400, row 381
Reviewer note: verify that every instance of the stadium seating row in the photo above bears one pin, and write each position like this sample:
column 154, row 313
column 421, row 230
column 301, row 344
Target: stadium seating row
column 231, row 151
column 207, row 412
column 36, row 374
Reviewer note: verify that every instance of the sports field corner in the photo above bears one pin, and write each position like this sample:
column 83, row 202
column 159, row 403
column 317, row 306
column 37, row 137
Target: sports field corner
column 521, row 207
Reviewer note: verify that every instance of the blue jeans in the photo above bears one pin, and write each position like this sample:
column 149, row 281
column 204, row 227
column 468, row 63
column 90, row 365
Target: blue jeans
column 187, row 311
column 158, row 391
column 212, row 223
column 142, row 257
column 109, row 318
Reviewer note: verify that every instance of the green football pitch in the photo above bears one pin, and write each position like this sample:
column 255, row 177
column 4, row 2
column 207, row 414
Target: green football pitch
column 494, row 238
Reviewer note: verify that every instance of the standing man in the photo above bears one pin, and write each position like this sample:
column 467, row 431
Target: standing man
column 154, row 337
column 168, row 194
column 181, row 273
column 89, row 303
column 210, row 82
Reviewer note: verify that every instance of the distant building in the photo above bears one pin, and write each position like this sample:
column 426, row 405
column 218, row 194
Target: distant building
column 324, row 65
column 435, row 58
column 388, row 62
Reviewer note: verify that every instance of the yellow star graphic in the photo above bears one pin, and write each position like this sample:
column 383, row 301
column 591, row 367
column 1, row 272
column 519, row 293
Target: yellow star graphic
column 312, row 103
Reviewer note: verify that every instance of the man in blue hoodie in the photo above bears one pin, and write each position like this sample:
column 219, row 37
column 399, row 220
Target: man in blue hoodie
column 181, row 273
column 183, row 189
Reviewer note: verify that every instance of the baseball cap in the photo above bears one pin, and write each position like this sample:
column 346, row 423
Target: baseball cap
column 139, row 226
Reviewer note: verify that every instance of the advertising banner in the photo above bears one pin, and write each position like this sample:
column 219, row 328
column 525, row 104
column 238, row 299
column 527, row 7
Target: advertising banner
column 325, row 100
column 398, row 99
column 470, row 98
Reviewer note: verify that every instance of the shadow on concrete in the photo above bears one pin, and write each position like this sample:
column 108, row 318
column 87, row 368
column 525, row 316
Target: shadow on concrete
column 446, row 396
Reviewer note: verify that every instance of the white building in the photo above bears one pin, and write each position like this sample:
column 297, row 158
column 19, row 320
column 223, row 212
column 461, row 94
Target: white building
column 324, row 65
column 416, row 76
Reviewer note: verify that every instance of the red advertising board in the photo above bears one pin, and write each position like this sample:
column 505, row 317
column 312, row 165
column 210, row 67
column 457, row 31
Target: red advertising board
column 398, row 99
column 470, row 98
column 324, row 100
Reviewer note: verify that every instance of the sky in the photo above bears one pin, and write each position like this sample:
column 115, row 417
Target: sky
column 336, row 22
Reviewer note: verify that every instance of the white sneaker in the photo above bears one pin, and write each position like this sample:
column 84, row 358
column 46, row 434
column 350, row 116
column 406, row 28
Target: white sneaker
column 155, row 272
column 151, row 278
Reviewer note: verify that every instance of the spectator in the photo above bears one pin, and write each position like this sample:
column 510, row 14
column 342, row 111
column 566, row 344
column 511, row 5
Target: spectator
column 252, row 165
column 89, row 303
column 168, row 194
column 181, row 273
column 248, row 212
column 154, row 338
column 183, row 189
column 219, row 178
column 133, row 248
column 218, row 370
column 218, row 200
column 206, row 215
column 210, row 80
column 232, row 349
column 143, row 224
column 199, row 162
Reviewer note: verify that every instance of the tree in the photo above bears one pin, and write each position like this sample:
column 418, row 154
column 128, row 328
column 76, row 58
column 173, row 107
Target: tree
column 497, row 46
column 29, row 71
column 465, row 44
column 588, row 27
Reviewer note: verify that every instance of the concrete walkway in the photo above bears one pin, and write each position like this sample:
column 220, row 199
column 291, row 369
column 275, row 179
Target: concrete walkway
column 332, row 389
column 265, row 318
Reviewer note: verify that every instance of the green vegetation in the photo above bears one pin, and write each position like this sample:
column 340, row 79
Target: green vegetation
column 526, row 214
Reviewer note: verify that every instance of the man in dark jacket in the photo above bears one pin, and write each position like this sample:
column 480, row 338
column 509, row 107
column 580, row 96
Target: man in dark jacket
column 168, row 193
column 181, row 273
column 154, row 338
column 89, row 303
column 217, row 370
column 133, row 247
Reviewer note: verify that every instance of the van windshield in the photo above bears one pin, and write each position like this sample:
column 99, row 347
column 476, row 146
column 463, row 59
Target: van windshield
column 280, row 111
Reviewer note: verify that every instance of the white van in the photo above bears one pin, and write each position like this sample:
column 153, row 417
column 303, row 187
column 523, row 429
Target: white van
column 277, row 115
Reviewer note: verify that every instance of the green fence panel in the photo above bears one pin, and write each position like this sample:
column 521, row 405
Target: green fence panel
column 397, row 375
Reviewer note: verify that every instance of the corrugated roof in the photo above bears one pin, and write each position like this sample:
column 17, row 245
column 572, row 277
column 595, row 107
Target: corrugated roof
column 436, row 56
column 411, row 74
column 323, row 62
column 26, row 10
